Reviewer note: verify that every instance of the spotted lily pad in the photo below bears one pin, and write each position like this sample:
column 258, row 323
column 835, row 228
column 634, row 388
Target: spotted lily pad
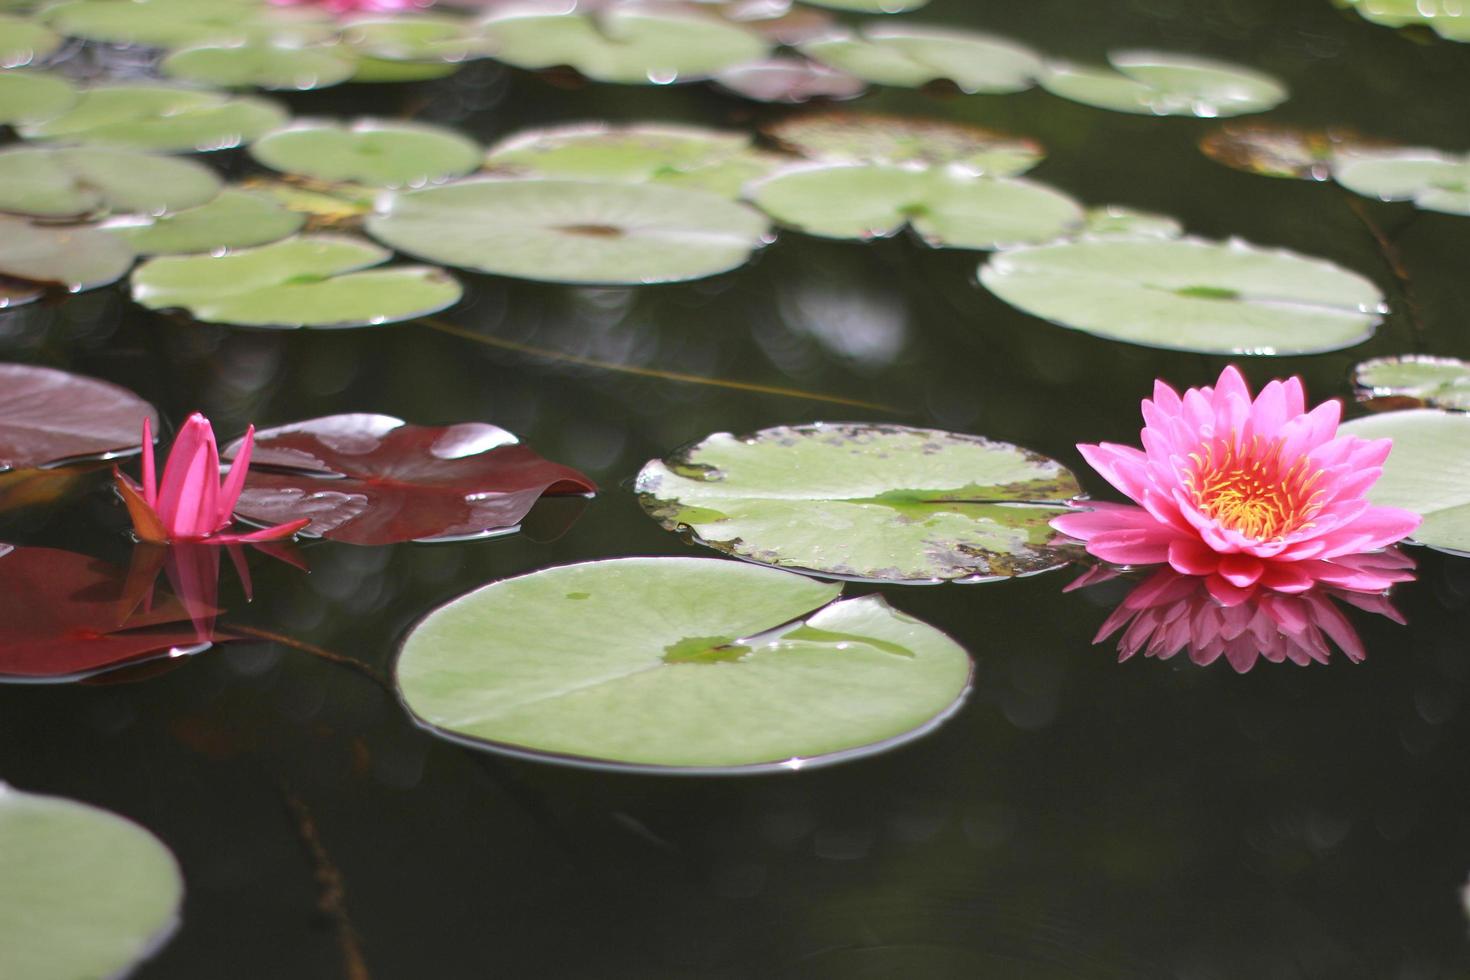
column 1160, row 84
column 181, row 23
column 1399, row 382
column 159, row 117
column 373, row 479
column 376, row 152
column 882, row 502
column 24, row 41
column 83, row 892
column 572, row 231
column 946, row 207
column 1279, row 151
column 322, row 281
column 234, row 219
column 1428, row 472
column 74, row 181
column 1434, row 181
column 261, row 64
column 632, row 43
column 75, row 257
column 1190, row 294
column 912, row 55
column 861, row 137
column 49, row 417
column 678, row 665
column 29, row 96
column 785, row 79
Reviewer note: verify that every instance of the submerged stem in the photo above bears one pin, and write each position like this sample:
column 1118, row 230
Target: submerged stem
column 1388, row 250
column 331, row 893
column 367, row 670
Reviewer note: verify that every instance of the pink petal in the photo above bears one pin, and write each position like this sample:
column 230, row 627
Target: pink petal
column 1241, row 571
column 150, row 475
column 229, row 494
column 1189, row 556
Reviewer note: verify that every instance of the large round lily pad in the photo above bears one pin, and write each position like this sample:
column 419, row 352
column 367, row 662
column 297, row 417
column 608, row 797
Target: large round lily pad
column 572, row 231
column 73, row 257
column 179, row 23
column 865, row 137
column 948, row 208
column 1160, row 84
column 74, row 181
column 882, row 502
column 262, row 64
column 1434, row 181
column 631, row 43
column 24, row 41
column 1427, row 472
column 1190, row 294
column 322, row 281
column 160, row 117
column 83, row 892
column 376, row 152
column 1435, row 382
column 677, row 664
column 912, row 55
column 234, row 219
column 28, row 96
column 49, row 417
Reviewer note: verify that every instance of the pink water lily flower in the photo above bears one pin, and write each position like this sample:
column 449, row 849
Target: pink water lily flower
column 191, row 504
column 1247, row 494
column 340, row 7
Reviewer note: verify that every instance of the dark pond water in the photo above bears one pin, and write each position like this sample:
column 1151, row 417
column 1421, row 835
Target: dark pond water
column 1078, row 818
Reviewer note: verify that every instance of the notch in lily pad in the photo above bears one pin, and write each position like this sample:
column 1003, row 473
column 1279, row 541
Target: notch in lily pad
column 72, row 257
column 869, row 502
column 1155, row 83
column 680, row 666
column 1414, row 381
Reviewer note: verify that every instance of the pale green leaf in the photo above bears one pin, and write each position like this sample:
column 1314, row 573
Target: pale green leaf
column 1428, row 471
column 159, row 117
column 59, row 183
column 234, row 219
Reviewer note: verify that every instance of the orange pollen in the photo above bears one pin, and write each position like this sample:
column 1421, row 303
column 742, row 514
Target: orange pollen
column 1251, row 490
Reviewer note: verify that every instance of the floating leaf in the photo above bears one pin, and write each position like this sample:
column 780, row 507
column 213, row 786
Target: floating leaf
column 180, row 23
column 1190, row 294
column 1434, row 181
column 862, row 137
column 17, row 292
column 389, row 71
column 677, row 664
column 159, row 117
column 1159, row 84
column 1116, row 221
column 234, row 219
column 373, row 479
column 427, row 38
column 789, row 80
column 61, row 183
column 865, row 501
column 871, row 6
column 49, row 417
column 1450, row 19
column 633, row 44
column 1427, row 472
column 948, row 209
column 368, row 151
column 29, row 96
column 74, row 257
column 306, row 281
column 261, row 64
column 1279, row 151
column 83, row 892
column 572, row 231
column 1417, row 380
column 339, row 205
column 24, row 41
column 913, row 55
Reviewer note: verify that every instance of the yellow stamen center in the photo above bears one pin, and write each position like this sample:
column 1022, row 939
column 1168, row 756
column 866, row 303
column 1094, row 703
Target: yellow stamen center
column 1250, row 489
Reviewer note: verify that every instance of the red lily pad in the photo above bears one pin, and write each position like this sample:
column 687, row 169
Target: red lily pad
column 65, row 616
column 49, row 417
column 374, row 479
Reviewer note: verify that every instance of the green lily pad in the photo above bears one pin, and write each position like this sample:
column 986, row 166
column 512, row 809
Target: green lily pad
column 307, row 281
column 912, row 55
column 1450, row 19
column 428, row 38
column 1279, row 151
column 948, row 209
column 234, row 219
column 75, row 257
column 368, row 151
column 1427, row 472
column 158, row 117
column 687, row 156
column 1159, row 84
column 388, row 71
column 882, row 502
column 862, row 137
column 1436, row 382
column 30, row 96
column 631, row 44
column 677, row 664
column 334, row 207
column 1190, row 294
column 572, row 231
column 871, row 6
column 1116, row 221
column 261, row 64
column 61, row 183
column 182, row 23
column 24, row 41
column 1434, row 181
column 83, row 892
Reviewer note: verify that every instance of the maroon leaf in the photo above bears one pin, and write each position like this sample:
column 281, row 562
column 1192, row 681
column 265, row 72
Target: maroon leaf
column 49, row 416
column 65, row 615
column 373, row 479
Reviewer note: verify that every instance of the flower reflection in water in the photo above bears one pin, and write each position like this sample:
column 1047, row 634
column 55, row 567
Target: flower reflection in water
column 1170, row 612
